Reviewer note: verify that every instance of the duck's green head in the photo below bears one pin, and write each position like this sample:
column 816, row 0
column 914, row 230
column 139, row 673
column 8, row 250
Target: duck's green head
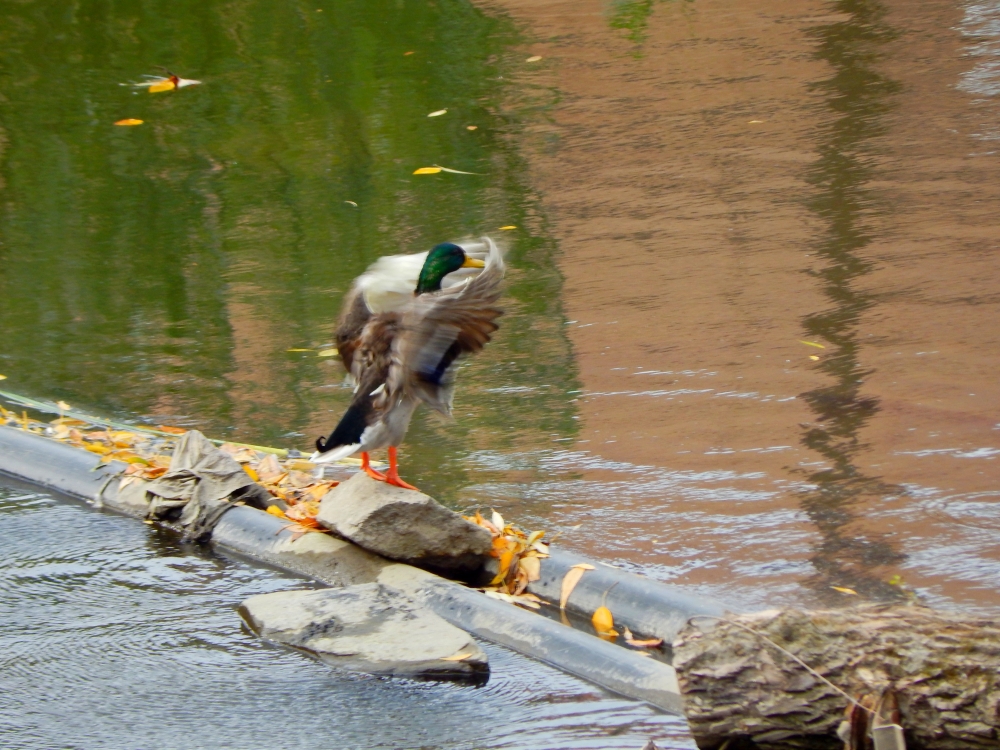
column 442, row 260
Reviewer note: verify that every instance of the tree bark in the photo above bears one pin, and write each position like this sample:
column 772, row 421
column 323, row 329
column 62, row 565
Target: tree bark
column 943, row 668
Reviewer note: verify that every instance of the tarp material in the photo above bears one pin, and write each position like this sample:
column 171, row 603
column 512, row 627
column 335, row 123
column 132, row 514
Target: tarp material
column 201, row 480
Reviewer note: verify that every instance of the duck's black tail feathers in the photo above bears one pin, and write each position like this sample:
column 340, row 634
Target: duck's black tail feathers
column 350, row 427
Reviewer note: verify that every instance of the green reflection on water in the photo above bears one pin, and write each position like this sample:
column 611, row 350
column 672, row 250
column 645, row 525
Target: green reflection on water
column 857, row 96
column 161, row 272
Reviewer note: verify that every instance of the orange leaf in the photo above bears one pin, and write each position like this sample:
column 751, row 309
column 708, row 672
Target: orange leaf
column 636, row 643
column 602, row 620
column 167, row 428
column 129, row 121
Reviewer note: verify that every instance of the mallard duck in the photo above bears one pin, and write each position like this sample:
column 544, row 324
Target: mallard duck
column 406, row 350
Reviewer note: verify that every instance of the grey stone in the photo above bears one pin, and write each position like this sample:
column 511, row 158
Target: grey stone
column 403, row 525
column 367, row 628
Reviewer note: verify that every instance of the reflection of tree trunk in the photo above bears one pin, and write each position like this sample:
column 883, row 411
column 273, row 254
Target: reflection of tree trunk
column 942, row 669
column 857, row 96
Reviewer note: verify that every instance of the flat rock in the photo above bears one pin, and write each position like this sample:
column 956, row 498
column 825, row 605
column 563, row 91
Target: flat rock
column 367, row 628
column 403, row 525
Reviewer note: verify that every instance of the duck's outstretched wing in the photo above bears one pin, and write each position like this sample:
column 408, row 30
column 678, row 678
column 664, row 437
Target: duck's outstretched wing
column 437, row 329
column 387, row 286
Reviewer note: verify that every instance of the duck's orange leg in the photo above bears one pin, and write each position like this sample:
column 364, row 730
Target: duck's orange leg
column 366, row 467
column 392, row 476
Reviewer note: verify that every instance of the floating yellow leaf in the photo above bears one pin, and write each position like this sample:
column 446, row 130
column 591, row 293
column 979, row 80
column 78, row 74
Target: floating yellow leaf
column 274, row 510
column 298, row 350
column 754, row 122
column 507, row 228
column 438, row 113
column 457, row 657
column 167, row 85
column 63, row 405
column 585, row 566
column 534, row 58
column 407, row 53
column 602, row 620
column 3, row 377
column 428, row 170
column 129, row 121
column 472, row 127
column 814, row 358
column 327, row 353
column 812, row 343
column 352, row 203
column 844, row 590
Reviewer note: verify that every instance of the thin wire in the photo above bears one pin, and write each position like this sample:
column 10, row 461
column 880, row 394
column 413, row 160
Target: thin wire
column 787, row 653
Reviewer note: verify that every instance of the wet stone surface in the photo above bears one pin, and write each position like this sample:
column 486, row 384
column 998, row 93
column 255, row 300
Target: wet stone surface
column 367, row 628
column 403, row 525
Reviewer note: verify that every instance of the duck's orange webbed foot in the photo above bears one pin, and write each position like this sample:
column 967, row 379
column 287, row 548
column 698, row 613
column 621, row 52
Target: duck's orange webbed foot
column 366, row 467
column 392, row 476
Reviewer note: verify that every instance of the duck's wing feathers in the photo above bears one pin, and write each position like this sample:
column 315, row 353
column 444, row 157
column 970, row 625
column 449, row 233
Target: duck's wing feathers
column 354, row 316
column 437, row 329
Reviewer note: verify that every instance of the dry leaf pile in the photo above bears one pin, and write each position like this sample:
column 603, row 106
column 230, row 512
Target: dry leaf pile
column 519, row 556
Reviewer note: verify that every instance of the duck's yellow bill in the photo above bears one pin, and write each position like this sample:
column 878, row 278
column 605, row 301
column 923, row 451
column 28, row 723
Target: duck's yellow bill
column 474, row 263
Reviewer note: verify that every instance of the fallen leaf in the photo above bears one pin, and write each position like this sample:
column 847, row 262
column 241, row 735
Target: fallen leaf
column 274, row 510
column 637, row 643
column 438, row 113
column 158, row 86
column 327, row 353
column 813, row 357
column 844, row 590
column 534, row 58
column 428, row 170
column 129, row 121
column 585, row 566
column 298, row 350
column 407, row 53
column 457, row 657
column 457, row 171
column 753, row 122
column 472, row 127
column 63, row 405
column 170, row 430
column 300, row 464
column 572, row 577
column 507, row 228
column 608, row 635
column 3, row 377
column 497, row 520
column 532, row 566
column 812, row 343
column 250, row 472
column 602, row 620
column 352, row 203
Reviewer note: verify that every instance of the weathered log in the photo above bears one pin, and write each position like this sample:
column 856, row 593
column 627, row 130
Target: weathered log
column 943, row 669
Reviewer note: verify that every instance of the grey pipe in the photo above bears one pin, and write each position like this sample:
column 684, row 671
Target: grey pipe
column 262, row 537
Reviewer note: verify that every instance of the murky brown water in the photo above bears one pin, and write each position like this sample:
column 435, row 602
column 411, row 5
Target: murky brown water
column 726, row 181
